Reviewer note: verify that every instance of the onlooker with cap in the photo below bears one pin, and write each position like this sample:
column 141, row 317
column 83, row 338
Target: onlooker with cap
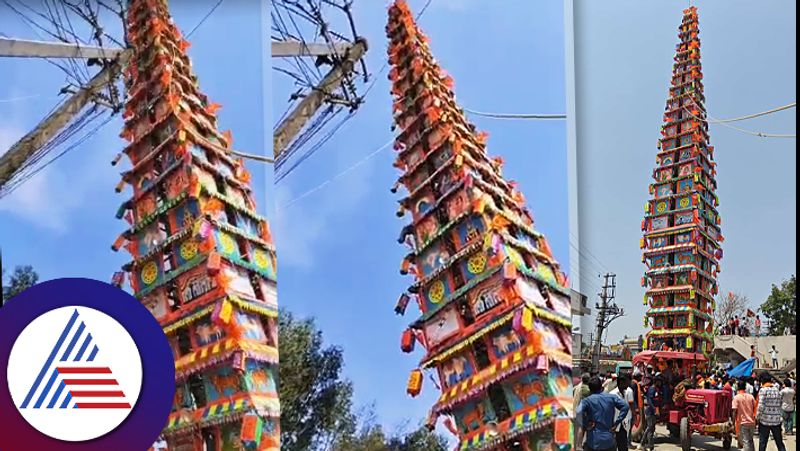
column 744, row 406
column 768, row 413
column 787, row 406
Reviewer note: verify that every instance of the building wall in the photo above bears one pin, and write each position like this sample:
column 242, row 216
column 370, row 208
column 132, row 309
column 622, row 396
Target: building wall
column 735, row 349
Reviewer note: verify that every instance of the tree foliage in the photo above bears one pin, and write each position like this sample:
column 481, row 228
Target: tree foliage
column 20, row 280
column 317, row 411
column 316, row 401
column 781, row 306
column 372, row 437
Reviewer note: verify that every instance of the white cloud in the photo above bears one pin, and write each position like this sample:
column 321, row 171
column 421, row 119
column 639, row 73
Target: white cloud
column 49, row 200
column 306, row 223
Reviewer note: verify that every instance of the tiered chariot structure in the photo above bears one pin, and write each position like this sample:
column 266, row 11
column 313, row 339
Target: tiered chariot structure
column 203, row 260
column 495, row 306
column 682, row 227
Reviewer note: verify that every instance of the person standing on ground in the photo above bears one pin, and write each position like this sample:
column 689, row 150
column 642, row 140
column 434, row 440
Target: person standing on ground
column 787, row 406
column 608, row 383
column 774, row 354
column 638, row 402
column 758, row 326
column 624, row 392
column 579, row 392
column 652, row 401
column 744, row 406
column 768, row 413
column 596, row 414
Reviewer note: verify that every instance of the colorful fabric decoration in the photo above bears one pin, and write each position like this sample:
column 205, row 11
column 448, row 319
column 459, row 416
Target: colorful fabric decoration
column 252, row 427
column 402, row 303
column 407, row 341
column 414, row 387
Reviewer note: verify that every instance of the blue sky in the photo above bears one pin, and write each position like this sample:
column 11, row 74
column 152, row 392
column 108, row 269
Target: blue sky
column 62, row 221
column 337, row 247
column 623, row 66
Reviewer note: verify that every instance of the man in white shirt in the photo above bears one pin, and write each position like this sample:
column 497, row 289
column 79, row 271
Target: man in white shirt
column 787, row 406
column 749, row 387
column 774, row 354
column 610, row 382
column 624, row 391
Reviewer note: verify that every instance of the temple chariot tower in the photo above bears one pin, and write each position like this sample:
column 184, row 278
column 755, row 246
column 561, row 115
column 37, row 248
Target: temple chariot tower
column 203, row 260
column 495, row 307
column 681, row 226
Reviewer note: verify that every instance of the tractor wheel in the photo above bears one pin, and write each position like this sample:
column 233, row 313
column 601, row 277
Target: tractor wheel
column 726, row 441
column 685, row 434
column 674, row 430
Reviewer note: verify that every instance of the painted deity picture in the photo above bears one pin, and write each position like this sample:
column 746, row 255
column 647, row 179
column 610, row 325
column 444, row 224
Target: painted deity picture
column 456, row 370
column 505, row 342
column 207, row 332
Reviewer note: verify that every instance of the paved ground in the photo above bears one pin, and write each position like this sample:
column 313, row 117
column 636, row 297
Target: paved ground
column 664, row 443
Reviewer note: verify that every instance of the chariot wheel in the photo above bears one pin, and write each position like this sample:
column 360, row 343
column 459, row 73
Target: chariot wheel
column 685, row 434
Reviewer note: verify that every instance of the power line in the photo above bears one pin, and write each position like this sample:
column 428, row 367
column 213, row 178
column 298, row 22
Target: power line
column 219, row 2
column 751, row 116
column 515, row 116
column 724, row 123
column 340, row 174
column 17, row 99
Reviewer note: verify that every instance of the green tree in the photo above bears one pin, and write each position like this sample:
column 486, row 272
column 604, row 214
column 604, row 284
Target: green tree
column 317, row 411
column 316, row 402
column 371, row 437
column 421, row 439
column 20, row 280
column 781, row 306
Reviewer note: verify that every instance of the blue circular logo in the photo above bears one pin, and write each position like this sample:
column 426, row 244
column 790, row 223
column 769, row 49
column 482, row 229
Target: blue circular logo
column 87, row 368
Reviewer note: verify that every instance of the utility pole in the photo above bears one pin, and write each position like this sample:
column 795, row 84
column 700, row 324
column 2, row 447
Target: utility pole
column 336, row 88
column 607, row 311
column 20, row 152
column 291, row 126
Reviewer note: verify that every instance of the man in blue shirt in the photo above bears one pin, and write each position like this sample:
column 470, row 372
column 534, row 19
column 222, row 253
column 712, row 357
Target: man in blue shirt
column 652, row 400
column 596, row 412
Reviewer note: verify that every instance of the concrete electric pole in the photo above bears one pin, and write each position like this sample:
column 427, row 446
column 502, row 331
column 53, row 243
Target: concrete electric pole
column 607, row 311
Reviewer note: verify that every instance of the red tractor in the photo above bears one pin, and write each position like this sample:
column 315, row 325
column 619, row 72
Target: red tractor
column 695, row 410
column 705, row 412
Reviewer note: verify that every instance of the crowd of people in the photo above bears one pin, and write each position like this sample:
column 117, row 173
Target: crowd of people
column 743, row 327
column 749, row 325
column 608, row 405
